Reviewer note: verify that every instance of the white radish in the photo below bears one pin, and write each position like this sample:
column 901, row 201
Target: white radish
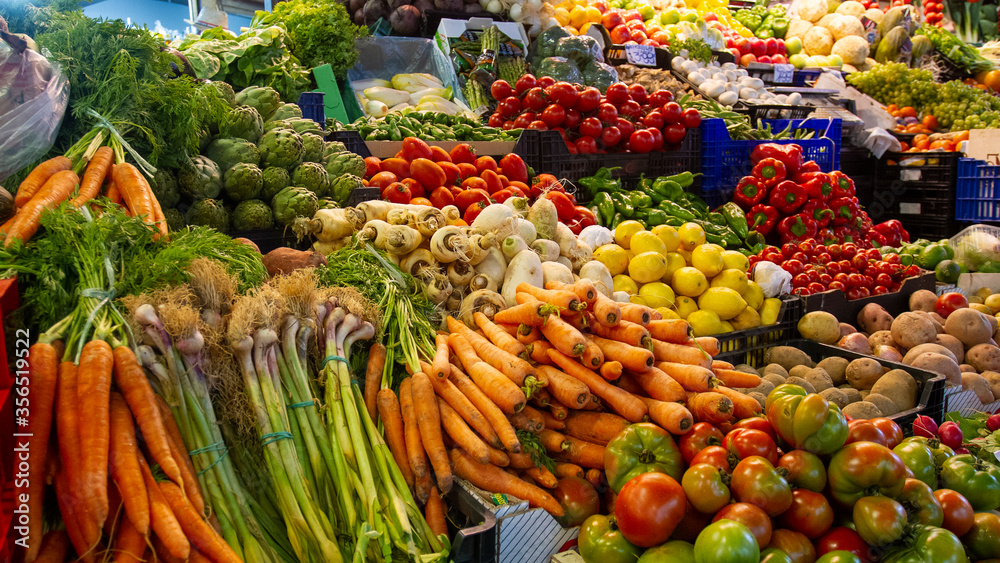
column 598, row 273
column 524, row 268
column 547, row 250
column 556, row 271
column 512, row 245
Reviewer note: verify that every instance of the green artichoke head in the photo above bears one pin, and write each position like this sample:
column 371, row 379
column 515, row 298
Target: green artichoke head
column 262, row 98
column 281, row 147
column 165, row 188
column 287, row 111
column 313, row 145
column 252, row 215
column 243, row 122
column 345, row 163
column 175, row 219
column 313, row 177
column 343, row 186
column 293, row 202
column 275, row 180
column 333, row 148
column 230, row 151
column 243, row 181
column 208, row 213
column 200, row 179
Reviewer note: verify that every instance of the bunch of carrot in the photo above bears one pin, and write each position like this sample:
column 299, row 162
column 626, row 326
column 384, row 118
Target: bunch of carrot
column 575, row 379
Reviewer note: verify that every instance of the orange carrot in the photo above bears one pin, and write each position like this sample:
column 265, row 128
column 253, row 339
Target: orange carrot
column 672, row 417
column 424, row 484
column 659, row 385
column 493, row 413
column 523, row 476
column 510, row 329
column 392, row 422
column 709, row 344
column 535, row 417
column 719, row 364
column 411, row 430
column 114, row 195
column 93, row 391
column 518, row 370
column 54, row 547
column 447, row 390
column 533, row 313
column 538, row 352
column 440, row 366
column 55, row 191
column 628, row 332
column 579, row 321
column 373, row 378
column 551, row 422
column 38, row 177
column 130, row 544
column 500, row 389
column 499, row 458
column 583, row 453
column 541, row 398
column 93, row 178
column 434, row 513
column 163, row 518
column 138, row 195
column 139, row 395
column 733, row 378
column 607, row 311
column 569, row 470
column 553, row 441
column 595, row 477
column 520, row 421
column 558, row 410
column 631, row 357
column 498, row 336
column 179, row 452
column 623, row 402
column 677, row 331
column 71, row 518
column 680, row 353
column 611, row 371
column 564, row 337
column 692, row 378
column 164, row 556
column 520, row 461
column 569, row 391
column 543, row 477
column 593, row 356
column 710, row 407
column 636, row 313
column 744, row 406
column 43, row 378
column 562, row 299
column 594, row 404
column 596, row 427
column 201, row 535
column 124, row 459
column 462, row 434
column 84, row 526
column 526, row 334
column 494, row 479
column 583, row 288
column 425, row 406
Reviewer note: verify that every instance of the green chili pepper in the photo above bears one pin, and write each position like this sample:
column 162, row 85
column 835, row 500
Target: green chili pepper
column 667, row 188
column 736, row 219
column 618, row 218
column 655, row 217
column 605, row 207
column 622, row 205
column 717, row 219
column 754, row 239
column 672, row 208
column 639, row 200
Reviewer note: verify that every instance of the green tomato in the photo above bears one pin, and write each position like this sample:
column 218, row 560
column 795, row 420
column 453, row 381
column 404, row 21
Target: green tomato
column 806, row 421
column 671, row 552
column 774, row 555
column 920, row 459
column 670, row 17
column 976, row 480
column 927, row 544
column 641, row 448
column 726, row 541
column 921, row 505
column 602, row 542
column 839, row 557
column 983, row 539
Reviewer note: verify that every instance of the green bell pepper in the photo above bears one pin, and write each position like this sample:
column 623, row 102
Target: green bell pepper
column 778, row 10
column 976, row 480
column 676, row 210
column 601, row 540
column 717, row 218
column 759, row 10
column 641, row 448
column 736, row 219
column 655, row 217
column 806, row 421
column 779, row 25
column 764, row 32
column 753, row 22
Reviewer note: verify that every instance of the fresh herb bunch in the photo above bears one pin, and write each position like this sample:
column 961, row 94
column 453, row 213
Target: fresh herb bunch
column 697, row 49
column 321, row 32
column 23, row 17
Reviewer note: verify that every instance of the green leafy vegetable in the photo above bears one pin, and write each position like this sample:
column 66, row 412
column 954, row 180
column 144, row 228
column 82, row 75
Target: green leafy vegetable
column 532, row 445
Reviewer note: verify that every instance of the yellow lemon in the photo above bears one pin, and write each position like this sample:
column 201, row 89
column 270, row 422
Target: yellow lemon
column 626, row 284
column 689, row 281
column 647, row 267
column 674, row 262
column 685, row 254
column 577, row 16
column 727, row 326
column 770, row 310
column 669, row 236
column 614, row 257
column 685, row 306
column 705, row 323
column 585, row 28
column 733, row 279
column 708, row 259
column 754, row 295
column 992, row 301
column 645, row 241
column 736, row 260
column 657, row 294
column 668, row 313
column 691, row 235
column 625, row 230
column 637, row 300
column 725, row 302
column 593, row 14
column 983, row 292
column 561, row 16
column 748, row 318
column 975, row 299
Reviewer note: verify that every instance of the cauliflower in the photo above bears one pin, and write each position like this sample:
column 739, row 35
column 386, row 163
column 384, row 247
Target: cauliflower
column 275, row 180
column 287, row 111
column 252, row 214
column 852, row 49
column 281, row 147
column 819, row 41
column 313, row 177
column 243, row 181
column 262, row 98
column 229, row 151
column 175, row 219
column 243, row 122
column 200, row 179
column 798, row 28
column 851, row 8
column 845, row 26
column 812, row 10
column 293, row 202
column 209, row 213
column 313, row 145
column 165, row 188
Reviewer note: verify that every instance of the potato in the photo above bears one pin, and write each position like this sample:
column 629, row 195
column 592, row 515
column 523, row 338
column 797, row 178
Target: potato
column 249, row 243
column 898, row 386
column 992, row 320
column 939, row 364
column 286, row 260
column 820, row 326
column 874, row 318
column 801, row 383
column 940, row 320
column 864, row 393
column 819, row 378
column 929, row 347
column 966, row 368
column 799, row 371
column 969, row 326
column 835, row 366
column 846, row 329
column 747, row 369
column 863, row 410
column 852, row 394
column 759, row 397
column 883, row 403
column 910, row 329
column 764, row 387
column 923, row 300
column 863, row 373
column 882, row 337
column 984, row 357
column 774, row 368
column 930, row 316
column 788, row 357
column 835, row 396
column 856, row 343
column 953, row 345
column 978, row 385
column 887, row 353
column 993, row 378
column 774, row 379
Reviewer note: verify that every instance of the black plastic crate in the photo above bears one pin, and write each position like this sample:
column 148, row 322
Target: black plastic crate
column 473, row 529
column 748, row 346
column 917, row 189
column 947, row 68
column 859, row 164
column 352, row 141
column 930, row 386
column 836, row 303
column 363, row 194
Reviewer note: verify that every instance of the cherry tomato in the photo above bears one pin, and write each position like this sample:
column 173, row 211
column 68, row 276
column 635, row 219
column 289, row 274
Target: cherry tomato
column 573, row 119
column 546, row 81
column 501, row 90
column 630, row 109
column 591, row 127
column 588, row 100
column 660, row 97
column 608, row 113
column 653, row 119
column 525, row 83
column 524, row 120
column 538, row 125
column 611, row 136
column 554, row 114
column 641, row 141
column 649, row 507
column 563, row 93
column 657, row 138
column 534, row 100
column 626, row 127
column 617, row 93
column 496, row 120
column 672, row 112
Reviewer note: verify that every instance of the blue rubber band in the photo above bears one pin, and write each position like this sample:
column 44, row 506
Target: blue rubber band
column 300, row 405
column 216, row 447
column 331, row 358
column 274, row 437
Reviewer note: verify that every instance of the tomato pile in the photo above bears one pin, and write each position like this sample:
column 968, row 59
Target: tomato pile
column 849, row 267
column 625, row 119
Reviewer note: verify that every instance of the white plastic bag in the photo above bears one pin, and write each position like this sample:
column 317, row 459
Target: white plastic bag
column 976, row 245
column 33, row 97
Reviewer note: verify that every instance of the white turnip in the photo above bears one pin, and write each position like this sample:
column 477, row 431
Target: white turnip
column 524, row 268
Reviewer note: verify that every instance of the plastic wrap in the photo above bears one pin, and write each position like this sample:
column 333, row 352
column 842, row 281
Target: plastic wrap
column 772, row 279
column 33, row 98
column 385, row 57
column 978, row 248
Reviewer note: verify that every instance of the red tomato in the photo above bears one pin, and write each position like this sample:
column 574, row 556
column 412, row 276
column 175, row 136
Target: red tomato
column 950, row 302
column 467, row 198
column 398, row 166
column 657, row 138
column 588, row 100
column 591, row 127
column 373, row 165
column 534, row 99
column 563, row 93
column 660, row 98
column 796, row 545
column 672, row 112
column 414, row 148
column 586, row 145
column 701, row 435
column 578, row 498
column 509, row 107
column 442, row 197
column 486, row 163
column 864, row 431
column 573, row 119
column 626, row 127
column 554, row 114
column 463, row 152
column 546, row 81
column 674, row 133
column 958, row 513
column 538, row 125
column 617, row 93
column 525, row 83
column 524, row 120
column 467, row 170
column 440, row 155
column 810, row 514
column 649, row 507
column 638, row 93
column 691, row 525
column 843, row 539
column 451, row 172
column 641, row 141
column 496, row 120
column 691, row 118
column 716, row 456
column 501, row 90
column 492, row 179
column 757, row 423
column 513, row 168
column 474, row 210
column 416, row 188
column 631, row 108
column 382, row 180
column 611, row 136
column 583, row 217
column 653, row 119
column 475, row 183
column 743, row 443
column 397, row 192
column 428, row 173
column 607, row 113
column 750, row 516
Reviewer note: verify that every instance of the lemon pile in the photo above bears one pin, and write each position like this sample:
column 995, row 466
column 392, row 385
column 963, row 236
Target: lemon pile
column 986, row 302
column 683, row 277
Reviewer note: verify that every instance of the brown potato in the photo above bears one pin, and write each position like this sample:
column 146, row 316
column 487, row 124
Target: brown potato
column 774, row 368
column 898, row 386
column 883, row 403
column 856, row 342
column 923, row 300
column 774, row 379
column 799, row 371
column 911, row 329
column 966, row 368
column 801, row 383
column 819, row 379
column 863, row 373
column 929, row 347
column 934, row 315
column 993, row 378
column 835, row 366
column 874, row 318
column 939, row 364
column 984, row 357
column 969, row 326
column 862, row 410
column 835, row 396
column 882, row 337
column 819, row 326
column 846, row 329
column 953, row 344
column 853, row 395
column 887, row 353
column 788, row 357
column 759, row 397
column 930, row 316
column 978, row 385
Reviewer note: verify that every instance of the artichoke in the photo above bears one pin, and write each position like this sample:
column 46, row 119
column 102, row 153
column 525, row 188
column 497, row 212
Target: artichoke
column 302, row 125
column 175, row 219
column 165, row 188
column 287, row 111
column 209, row 213
column 333, row 147
column 200, row 179
column 343, row 186
column 204, row 139
column 243, row 181
column 275, row 180
column 345, row 163
column 229, row 151
column 252, row 214
column 313, row 145
column 262, row 98
column 243, row 122
column 313, row 177
column 293, row 202
column 225, row 90
column 326, row 203
column 281, row 147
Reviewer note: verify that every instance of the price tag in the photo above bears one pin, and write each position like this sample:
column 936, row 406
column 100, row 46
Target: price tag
column 909, row 208
column 784, row 74
column 910, row 175
column 640, row 55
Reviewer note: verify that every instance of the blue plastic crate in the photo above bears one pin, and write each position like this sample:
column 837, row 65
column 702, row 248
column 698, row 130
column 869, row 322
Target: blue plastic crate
column 724, row 161
column 977, row 191
column 312, row 107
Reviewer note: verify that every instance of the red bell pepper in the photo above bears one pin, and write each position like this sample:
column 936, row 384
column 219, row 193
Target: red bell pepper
column 770, row 171
column 845, row 211
column 762, row 218
column 826, row 236
column 788, row 197
column 818, row 185
column 877, row 238
column 818, row 211
column 797, row 228
column 807, row 167
column 893, row 231
column 749, row 192
column 845, row 233
column 866, row 221
column 790, row 155
column 843, row 185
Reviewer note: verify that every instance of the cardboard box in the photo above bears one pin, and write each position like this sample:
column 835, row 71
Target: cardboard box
column 970, row 283
column 388, row 149
column 984, row 144
column 454, row 28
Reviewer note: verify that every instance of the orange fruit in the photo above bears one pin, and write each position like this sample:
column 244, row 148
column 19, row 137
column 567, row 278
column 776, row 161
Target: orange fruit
column 962, row 136
column 992, row 80
column 930, row 122
column 907, row 112
column 904, row 145
column 937, row 145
